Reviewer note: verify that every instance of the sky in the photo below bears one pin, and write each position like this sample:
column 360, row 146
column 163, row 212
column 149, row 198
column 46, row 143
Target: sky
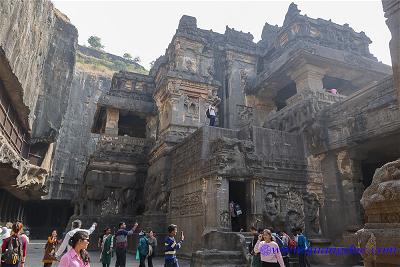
column 145, row 28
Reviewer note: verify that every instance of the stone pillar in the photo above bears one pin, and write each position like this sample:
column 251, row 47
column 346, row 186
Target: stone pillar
column 2, row 205
column 112, row 121
column 392, row 13
column 261, row 108
column 308, row 77
column 351, row 183
column 222, row 204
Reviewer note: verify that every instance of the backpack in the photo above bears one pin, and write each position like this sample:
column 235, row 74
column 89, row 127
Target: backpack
column 238, row 210
column 208, row 113
column 303, row 242
column 13, row 253
column 292, row 244
column 282, row 247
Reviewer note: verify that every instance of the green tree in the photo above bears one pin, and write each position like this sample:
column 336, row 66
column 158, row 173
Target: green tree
column 136, row 59
column 127, row 56
column 95, row 42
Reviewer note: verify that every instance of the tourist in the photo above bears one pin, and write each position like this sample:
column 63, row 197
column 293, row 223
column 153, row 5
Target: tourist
column 13, row 249
column 76, row 226
column 143, row 248
column 25, row 242
column 302, row 246
column 269, row 250
column 3, row 235
column 100, row 241
column 171, row 246
column 285, row 240
column 283, row 247
column 255, row 257
column 50, row 249
column 106, row 247
column 77, row 256
column 121, row 243
column 152, row 248
column 333, row 91
column 211, row 111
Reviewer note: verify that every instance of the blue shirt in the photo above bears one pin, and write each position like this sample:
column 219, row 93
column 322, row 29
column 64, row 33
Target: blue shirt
column 170, row 247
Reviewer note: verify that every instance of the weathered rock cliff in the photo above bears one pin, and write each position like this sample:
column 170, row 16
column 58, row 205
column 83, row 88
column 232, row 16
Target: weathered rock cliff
column 75, row 142
column 39, row 43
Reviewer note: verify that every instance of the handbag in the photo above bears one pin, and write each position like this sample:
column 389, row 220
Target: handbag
column 137, row 255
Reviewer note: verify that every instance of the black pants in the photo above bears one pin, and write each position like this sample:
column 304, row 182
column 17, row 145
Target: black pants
column 171, row 263
column 212, row 120
column 286, row 260
column 142, row 260
column 121, row 257
column 150, row 260
column 47, row 264
column 269, row 264
column 302, row 259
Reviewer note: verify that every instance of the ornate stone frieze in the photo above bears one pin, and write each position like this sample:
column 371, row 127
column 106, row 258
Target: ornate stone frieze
column 29, row 176
column 189, row 204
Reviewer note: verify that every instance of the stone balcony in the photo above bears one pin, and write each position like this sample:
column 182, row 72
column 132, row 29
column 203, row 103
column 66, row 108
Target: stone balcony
column 301, row 109
column 18, row 175
column 125, row 145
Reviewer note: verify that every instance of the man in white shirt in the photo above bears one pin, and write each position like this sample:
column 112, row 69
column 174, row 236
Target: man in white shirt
column 211, row 110
column 76, row 227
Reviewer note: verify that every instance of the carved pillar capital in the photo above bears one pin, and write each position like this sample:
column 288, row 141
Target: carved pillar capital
column 308, row 77
column 112, row 121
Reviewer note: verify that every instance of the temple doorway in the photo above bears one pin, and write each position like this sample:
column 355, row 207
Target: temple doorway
column 237, row 195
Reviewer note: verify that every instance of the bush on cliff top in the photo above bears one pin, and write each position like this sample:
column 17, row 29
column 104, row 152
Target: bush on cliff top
column 105, row 65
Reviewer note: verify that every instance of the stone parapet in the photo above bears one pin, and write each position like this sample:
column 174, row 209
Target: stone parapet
column 27, row 179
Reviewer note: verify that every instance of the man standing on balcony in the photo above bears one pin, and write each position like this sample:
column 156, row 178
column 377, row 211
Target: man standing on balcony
column 211, row 112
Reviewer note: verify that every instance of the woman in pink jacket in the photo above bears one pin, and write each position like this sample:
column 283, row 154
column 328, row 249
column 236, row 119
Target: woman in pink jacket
column 269, row 250
column 77, row 256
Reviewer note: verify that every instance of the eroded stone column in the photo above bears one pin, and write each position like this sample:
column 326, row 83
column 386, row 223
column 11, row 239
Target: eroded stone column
column 308, row 77
column 392, row 13
column 112, row 121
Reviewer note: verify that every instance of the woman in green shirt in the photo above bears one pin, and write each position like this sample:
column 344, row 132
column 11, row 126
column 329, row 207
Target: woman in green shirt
column 106, row 248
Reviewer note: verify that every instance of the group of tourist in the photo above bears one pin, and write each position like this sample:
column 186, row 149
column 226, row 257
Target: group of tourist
column 272, row 249
column 14, row 246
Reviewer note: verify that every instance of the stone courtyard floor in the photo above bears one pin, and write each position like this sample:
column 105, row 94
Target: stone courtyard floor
column 36, row 248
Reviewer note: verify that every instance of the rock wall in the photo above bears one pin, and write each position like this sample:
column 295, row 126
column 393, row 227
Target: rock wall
column 58, row 72
column 75, row 142
column 36, row 38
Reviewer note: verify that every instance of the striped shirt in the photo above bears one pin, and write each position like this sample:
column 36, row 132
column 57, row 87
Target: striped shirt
column 170, row 247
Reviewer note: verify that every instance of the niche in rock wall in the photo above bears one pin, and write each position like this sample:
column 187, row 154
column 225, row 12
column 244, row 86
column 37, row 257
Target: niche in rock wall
column 342, row 86
column 284, row 94
column 130, row 124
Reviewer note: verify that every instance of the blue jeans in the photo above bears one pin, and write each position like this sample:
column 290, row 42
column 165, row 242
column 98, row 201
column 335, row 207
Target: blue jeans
column 212, row 120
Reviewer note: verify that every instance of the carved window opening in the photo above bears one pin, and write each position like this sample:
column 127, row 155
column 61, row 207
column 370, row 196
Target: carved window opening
column 10, row 125
column 378, row 154
column 99, row 125
column 284, row 94
column 237, row 194
column 132, row 125
column 343, row 87
column 37, row 153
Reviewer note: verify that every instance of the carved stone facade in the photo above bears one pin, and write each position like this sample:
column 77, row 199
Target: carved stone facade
column 286, row 149
column 304, row 117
